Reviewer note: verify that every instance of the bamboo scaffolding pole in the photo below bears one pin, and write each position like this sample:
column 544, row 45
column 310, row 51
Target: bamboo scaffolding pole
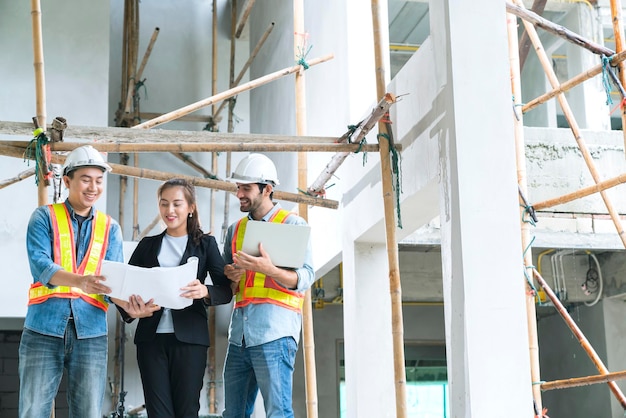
column 244, row 18
column 522, row 180
column 618, row 33
column 245, row 67
column 597, row 362
column 524, row 43
column 583, row 381
column 194, row 164
column 135, row 199
column 131, row 91
column 228, row 93
column 149, row 228
column 308, row 338
column 586, row 191
column 21, row 176
column 212, row 374
column 104, row 135
column 558, row 30
column 145, row 173
column 40, row 89
column 395, row 286
column 187, row 118
column 571, row 83
column 318, row 186
column 183, row 147
column 569, row 116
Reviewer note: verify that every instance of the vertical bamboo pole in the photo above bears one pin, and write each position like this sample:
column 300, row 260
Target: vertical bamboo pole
column 308, row 341
column 40, row 88
column 212, row 355
column 135, row 199
column 518, row 122
column 395, row 287
column 618, row 32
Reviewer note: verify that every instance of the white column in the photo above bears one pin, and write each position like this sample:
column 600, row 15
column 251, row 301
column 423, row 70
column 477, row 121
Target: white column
column 485, row 316
column 588, row 101
column 368, row 344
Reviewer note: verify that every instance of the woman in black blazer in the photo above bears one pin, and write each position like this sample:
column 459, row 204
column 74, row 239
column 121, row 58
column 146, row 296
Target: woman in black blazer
column 172, row 344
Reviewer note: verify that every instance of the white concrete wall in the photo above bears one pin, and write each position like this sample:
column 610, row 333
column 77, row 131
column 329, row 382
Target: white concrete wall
column 76, row 64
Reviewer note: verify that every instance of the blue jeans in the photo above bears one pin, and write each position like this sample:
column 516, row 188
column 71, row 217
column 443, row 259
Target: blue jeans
column 267, row 367
column 41, row 362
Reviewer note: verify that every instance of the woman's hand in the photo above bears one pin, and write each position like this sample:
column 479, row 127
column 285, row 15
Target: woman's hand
column 135, row 307
column 195, row 290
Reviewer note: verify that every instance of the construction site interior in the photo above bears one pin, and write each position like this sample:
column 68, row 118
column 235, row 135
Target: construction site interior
column 460, row 164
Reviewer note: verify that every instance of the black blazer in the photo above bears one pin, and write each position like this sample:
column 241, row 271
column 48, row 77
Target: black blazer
column 190, row 323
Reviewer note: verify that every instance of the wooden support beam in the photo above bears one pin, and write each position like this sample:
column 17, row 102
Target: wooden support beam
column 583, row 381
column 586, row 191
column 142, row 66
column 244, row 18
column 317, row 187
column 571, row 83
column 206, row 147
column 522, row 180
column 175, row 114
column 103, row 135
column 21, row 176
column 558, row 30
column 11, row 151
column 395, row 285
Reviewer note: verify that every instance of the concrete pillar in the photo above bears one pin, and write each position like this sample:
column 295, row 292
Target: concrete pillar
column 368, row 347
column 483, row 281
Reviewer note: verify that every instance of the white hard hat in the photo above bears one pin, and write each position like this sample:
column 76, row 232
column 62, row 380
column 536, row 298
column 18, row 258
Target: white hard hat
column 255, row 168
column 85, row 156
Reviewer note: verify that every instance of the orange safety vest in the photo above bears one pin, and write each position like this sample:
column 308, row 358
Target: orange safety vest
column 257, row 287
column 65, row 256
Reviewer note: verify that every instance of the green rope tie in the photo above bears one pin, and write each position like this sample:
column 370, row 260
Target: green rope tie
column 302, row 57
column 396, row 162
column 34, row 150
column 606, row 61
column 526, row 217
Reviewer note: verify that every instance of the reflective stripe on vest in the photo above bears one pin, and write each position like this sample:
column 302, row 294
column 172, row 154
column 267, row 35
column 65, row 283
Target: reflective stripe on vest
column 258, row 288
column 64, row 251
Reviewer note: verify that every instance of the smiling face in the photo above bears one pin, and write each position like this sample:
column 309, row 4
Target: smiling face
column 85, row 186
column 175, row 209
column 253, row 200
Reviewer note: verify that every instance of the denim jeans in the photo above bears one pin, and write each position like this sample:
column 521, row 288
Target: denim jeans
column 41, row 362
column 267, row 367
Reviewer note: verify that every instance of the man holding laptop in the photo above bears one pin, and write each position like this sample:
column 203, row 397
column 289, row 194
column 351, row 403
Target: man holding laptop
column 266, row 322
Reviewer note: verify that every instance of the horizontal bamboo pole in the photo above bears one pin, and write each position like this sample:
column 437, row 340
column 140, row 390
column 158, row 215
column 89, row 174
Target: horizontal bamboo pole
column 558, row 30
column 228, row 94
column 206, row 147
column 21, row 176
column 571, row 83
column 583, row 381
column 595, row 358
column 586, row 191
column 11, row 151
column 126, row 135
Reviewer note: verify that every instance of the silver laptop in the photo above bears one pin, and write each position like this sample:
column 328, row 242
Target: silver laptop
column 286, row 244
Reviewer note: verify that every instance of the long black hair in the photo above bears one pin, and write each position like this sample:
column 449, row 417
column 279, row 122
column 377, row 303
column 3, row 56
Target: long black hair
column 189, row 191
